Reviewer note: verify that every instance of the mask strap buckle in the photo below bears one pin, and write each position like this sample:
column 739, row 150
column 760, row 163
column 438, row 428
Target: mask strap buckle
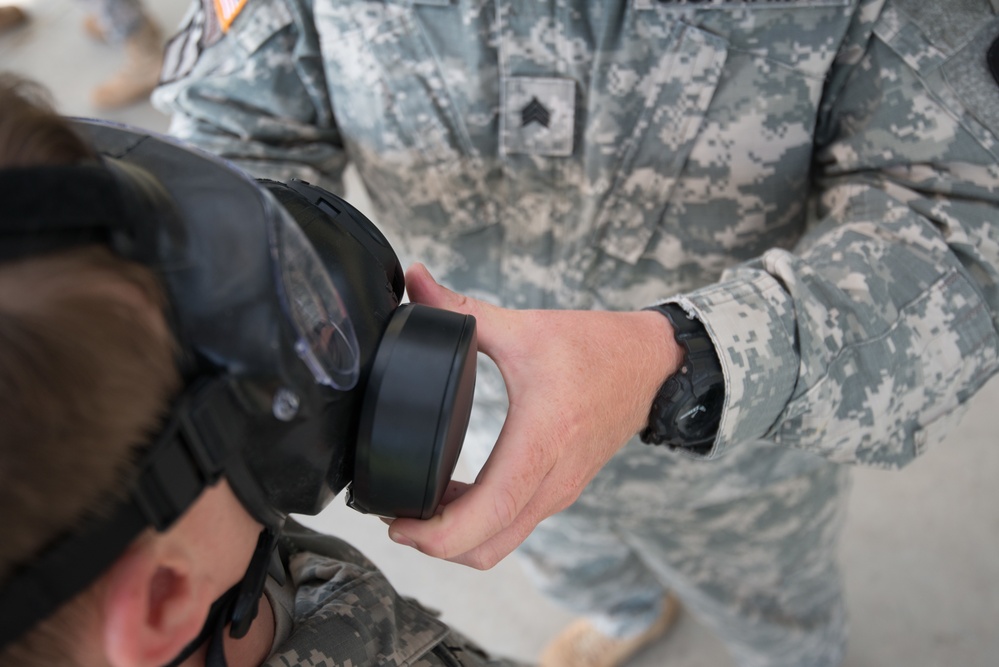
column 252, row 587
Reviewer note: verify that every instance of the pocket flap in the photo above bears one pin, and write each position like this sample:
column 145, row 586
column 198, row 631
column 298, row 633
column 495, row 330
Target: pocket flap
column 681, row 86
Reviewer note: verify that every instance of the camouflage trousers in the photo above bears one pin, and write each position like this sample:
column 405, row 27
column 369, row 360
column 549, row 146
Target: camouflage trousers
column 748, row 543
column 117, row 18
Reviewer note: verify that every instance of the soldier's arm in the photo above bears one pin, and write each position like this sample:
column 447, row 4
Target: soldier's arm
column 864, row 342
column 250, row 87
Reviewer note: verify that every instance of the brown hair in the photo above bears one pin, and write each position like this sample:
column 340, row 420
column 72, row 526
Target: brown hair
column 86, row 372
column 31, row 133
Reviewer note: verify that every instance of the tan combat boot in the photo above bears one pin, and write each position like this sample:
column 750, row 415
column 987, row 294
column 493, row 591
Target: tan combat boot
column 582, row 645
column 11, row 16
column 140, row 73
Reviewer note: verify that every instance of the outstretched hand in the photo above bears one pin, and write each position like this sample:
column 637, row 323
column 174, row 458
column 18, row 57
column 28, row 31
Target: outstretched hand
column 580, row 384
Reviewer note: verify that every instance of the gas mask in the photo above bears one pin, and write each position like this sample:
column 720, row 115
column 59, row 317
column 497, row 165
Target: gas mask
column 303, row 372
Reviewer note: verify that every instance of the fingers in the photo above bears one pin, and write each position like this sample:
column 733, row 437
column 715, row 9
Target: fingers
column 487, row 554
column 503, row 543
column 479, row 512
column 455, row 490
column 470, row 520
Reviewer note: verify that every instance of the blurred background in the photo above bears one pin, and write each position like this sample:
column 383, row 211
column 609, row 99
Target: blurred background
column 920, row 552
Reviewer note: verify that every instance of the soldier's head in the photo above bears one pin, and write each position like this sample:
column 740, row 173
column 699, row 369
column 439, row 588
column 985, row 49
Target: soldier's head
column 87, row 375
column 187, row 356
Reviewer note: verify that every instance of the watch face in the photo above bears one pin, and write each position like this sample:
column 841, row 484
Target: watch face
column 698, row 421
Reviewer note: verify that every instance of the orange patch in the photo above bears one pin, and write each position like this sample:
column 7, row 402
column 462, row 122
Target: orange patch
column 227, row 11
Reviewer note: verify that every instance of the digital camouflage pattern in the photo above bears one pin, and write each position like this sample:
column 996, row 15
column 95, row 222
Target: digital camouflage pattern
column 820, row 142
column 336, row 609
column 816, row 180
column 760, row 570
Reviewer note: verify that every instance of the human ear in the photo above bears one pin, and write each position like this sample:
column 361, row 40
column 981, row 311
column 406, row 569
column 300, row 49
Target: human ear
column 154, row 606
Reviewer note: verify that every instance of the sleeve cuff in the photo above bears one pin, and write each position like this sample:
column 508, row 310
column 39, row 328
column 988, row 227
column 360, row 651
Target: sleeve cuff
column 750, row 319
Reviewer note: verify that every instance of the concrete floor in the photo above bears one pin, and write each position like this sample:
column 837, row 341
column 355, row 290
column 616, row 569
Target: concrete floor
column 920, row 551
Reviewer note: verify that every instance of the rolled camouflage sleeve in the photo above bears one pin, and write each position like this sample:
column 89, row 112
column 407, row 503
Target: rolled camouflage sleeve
column 255, row 94
column 864, row 341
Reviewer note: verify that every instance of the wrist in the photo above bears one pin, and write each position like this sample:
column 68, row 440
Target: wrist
column 654, row 357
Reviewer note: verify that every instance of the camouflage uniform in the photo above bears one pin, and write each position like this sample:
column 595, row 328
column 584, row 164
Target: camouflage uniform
column 336, row 609
column 816, row 180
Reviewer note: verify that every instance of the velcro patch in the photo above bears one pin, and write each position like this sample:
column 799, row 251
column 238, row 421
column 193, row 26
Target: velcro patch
column 539, row 116
column 227, row 11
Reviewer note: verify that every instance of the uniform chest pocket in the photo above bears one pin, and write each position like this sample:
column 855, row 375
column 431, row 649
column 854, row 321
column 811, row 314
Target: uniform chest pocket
column 673, row 92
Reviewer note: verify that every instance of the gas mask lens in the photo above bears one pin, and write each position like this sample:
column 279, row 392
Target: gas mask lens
column 326, row 340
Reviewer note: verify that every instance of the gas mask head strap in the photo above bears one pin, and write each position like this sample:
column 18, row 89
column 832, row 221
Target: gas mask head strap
column 173, row 473
column 59, row 207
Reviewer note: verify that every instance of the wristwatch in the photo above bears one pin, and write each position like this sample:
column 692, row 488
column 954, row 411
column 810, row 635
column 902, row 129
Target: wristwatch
column 687, row 410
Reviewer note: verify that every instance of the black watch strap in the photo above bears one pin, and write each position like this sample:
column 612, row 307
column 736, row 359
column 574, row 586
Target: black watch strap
column 687, row 409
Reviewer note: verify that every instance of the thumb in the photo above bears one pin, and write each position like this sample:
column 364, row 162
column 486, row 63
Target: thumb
column 490, row 320
column 422, row 288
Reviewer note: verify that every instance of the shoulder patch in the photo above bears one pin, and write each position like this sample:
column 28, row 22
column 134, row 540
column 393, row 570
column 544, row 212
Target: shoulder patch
column 227, row 11
column 993, row 57
column 200, row 30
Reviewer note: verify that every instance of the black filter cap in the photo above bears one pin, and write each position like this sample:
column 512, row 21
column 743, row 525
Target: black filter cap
column 415, row 412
